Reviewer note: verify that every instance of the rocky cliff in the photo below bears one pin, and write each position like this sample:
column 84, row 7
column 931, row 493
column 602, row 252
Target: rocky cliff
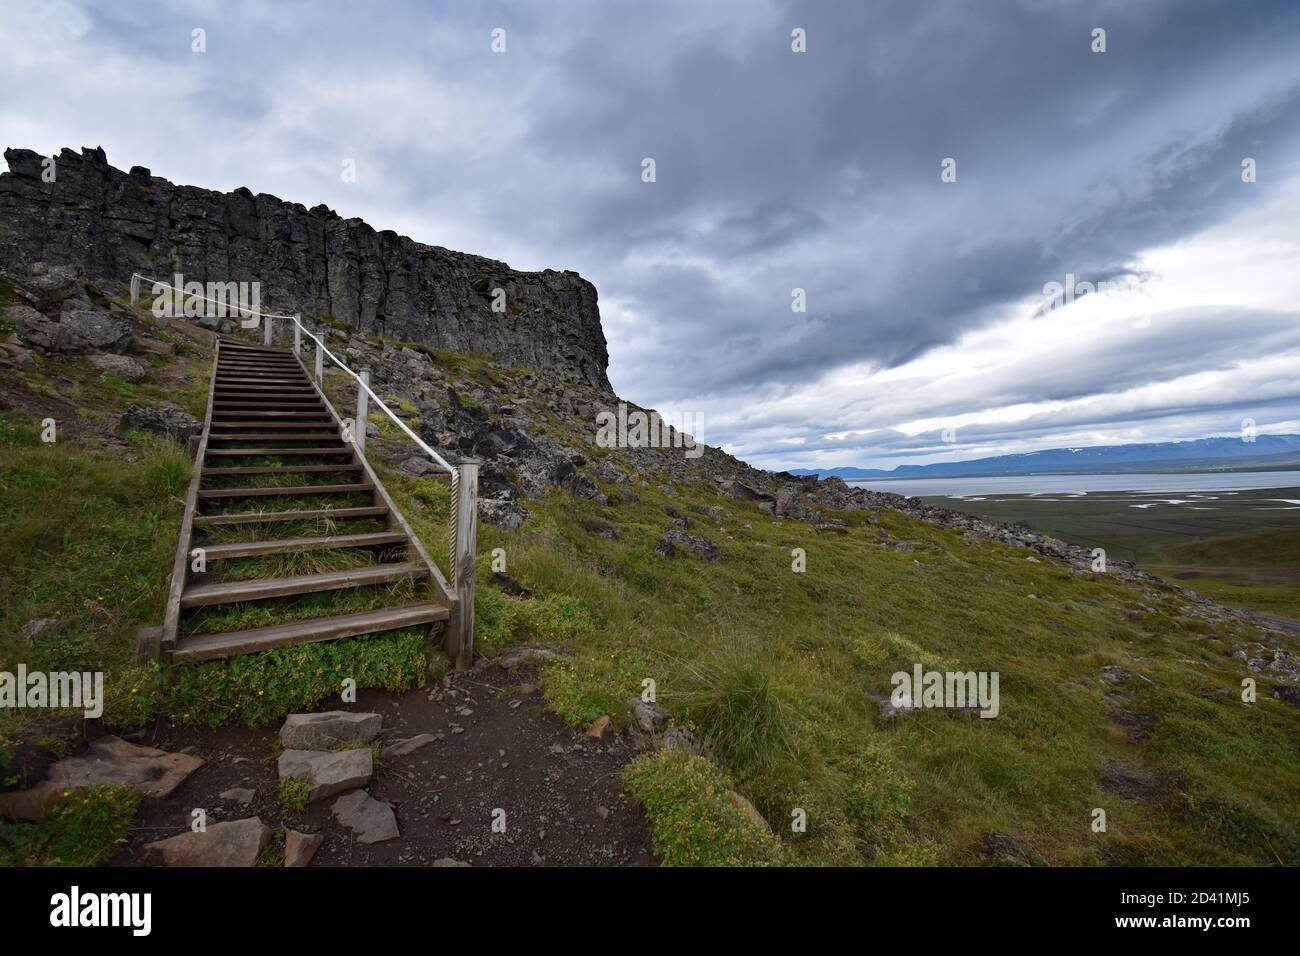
column 106, row 224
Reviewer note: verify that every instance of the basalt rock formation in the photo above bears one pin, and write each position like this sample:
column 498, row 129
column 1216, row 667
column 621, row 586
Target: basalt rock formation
column 76, row 211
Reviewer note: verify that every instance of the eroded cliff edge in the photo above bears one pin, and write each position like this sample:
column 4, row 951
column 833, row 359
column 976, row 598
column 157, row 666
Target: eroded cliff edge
column 106, row 224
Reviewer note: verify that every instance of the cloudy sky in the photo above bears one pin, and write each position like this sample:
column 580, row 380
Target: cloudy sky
column 776, row 170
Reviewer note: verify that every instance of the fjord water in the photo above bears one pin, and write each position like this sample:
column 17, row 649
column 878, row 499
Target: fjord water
column 1078, row 484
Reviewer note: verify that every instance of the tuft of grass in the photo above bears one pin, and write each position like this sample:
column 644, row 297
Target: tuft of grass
column 739, row 699
column 294, row 793
column 687, row 800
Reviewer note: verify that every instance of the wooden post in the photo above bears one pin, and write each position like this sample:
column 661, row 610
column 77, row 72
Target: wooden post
column 266, row 332
column 135, row 289
column 320, row 364
column 297, row 335
column 465, row 544
column 359, row 423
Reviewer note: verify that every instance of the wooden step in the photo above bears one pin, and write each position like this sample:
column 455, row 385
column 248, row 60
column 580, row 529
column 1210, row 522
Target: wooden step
column 226, row 363
column 268, row 436
column 257, row 403
column 277, row 470
column 268, row 389
column 260, row 380
column 251, row 452
column 258, row 371
column 203, row 647
column 258, row 389
column 257, row 517
column 230, row 592
column 243, row 416
column 276, row 423
column 230, row 341
column 253, row 549
column 293, row 491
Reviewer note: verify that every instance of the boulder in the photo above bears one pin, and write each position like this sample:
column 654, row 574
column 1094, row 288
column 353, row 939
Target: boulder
column 329, row 730
column 299, row 848
column 371, row 820
column 83, row 328
column 700, row 547
column 112, row 761
column 234, row 843
column 123, row 366
column 419, row 467
column 649, row 717
column 787, row 502
column 167, row 421
column 328, row 772
column 743, row 492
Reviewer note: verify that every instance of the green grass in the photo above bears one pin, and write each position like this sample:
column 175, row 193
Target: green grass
column 82, row 829
column 87, row 540
column 260, row 689
column 774, row 668
column 687, row 801
column 294, row 793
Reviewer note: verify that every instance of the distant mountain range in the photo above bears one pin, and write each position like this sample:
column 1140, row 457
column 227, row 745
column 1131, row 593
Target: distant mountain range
column 1206, row 454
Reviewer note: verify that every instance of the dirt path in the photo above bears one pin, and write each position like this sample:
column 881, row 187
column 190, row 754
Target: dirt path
column 559, row 789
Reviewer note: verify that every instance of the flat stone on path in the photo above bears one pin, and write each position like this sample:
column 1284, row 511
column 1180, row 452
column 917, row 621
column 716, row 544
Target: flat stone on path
column 299, row 848
column 112, row 761
column 372, row 820
column 241, row 795
column 328, row 772
column 329, row 730
column 234, row 843
column 400, row 748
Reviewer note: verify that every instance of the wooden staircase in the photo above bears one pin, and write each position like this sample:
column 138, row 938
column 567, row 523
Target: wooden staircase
column 288, row 536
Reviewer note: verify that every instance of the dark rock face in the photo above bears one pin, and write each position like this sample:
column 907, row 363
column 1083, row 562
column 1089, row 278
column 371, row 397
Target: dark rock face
column 105, row 224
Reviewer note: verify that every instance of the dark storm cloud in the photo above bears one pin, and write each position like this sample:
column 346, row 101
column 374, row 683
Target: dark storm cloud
column 1068, row 161
column 775, row 170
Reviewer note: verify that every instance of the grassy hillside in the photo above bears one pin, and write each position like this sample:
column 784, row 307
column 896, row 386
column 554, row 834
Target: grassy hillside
column 1113, row 696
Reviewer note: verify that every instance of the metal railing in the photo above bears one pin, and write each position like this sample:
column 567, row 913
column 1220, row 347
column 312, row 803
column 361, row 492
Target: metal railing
column 464, row 477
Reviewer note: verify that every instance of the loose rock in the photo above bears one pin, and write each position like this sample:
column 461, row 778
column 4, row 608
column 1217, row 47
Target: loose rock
column 372, row 820
column 234, row 843
column 329, row 773
column 333, row 728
